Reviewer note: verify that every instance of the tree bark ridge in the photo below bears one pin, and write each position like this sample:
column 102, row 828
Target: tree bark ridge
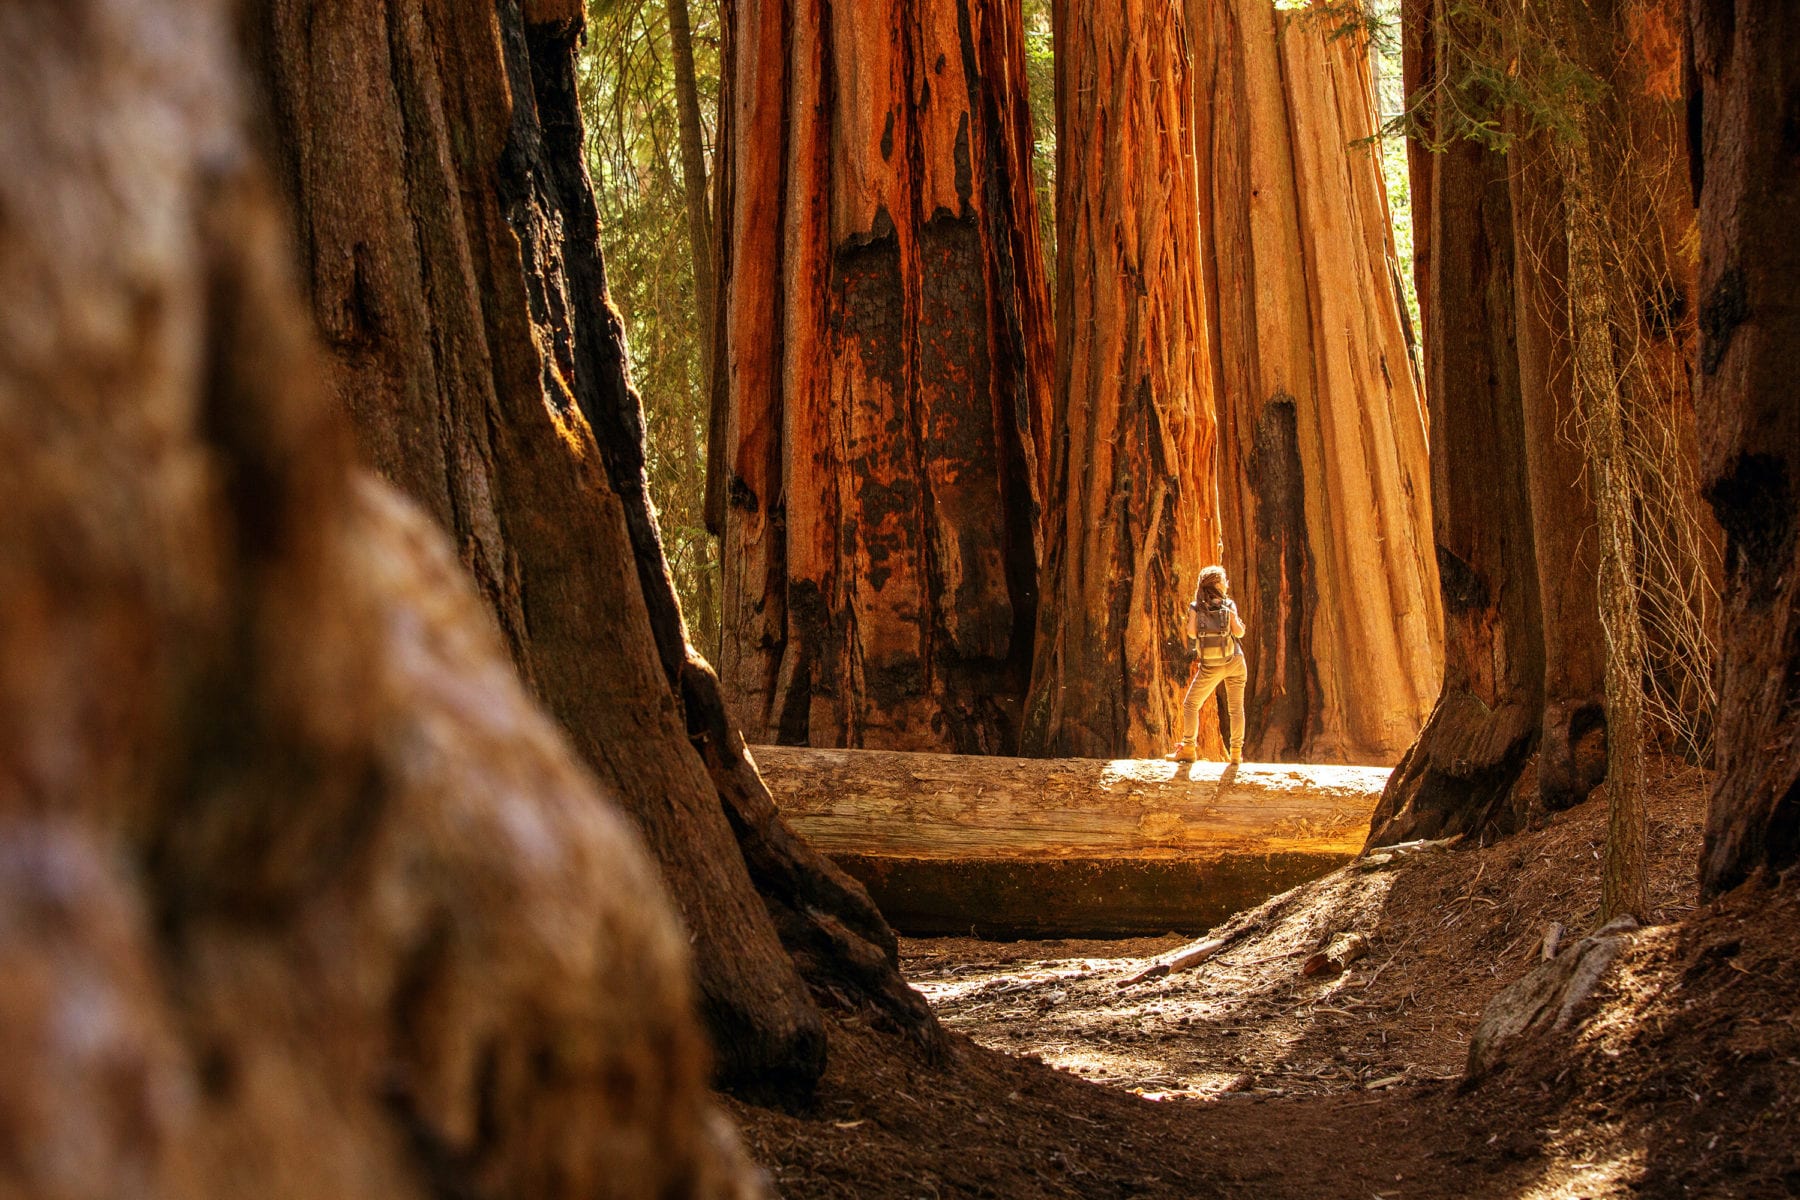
column 888, row 356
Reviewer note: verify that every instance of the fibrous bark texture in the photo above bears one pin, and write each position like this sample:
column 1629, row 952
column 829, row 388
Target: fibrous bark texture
column 1131, row 510
column 1571, row 746
column 298, row 889
column 1457, row 776
column 1747, row 60
column 1323, row 468
column 1568, row 306
column 434, row 157
column 887, row 355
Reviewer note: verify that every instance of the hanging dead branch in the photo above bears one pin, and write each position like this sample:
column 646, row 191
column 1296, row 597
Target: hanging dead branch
column 1583, row 83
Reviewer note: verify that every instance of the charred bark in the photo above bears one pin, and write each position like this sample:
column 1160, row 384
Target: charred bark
column 438, row 181
column 888, row 356
column 1746, row 59
column 1131, row 511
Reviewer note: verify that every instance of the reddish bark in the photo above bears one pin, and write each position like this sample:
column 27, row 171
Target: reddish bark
column 1457, row 777
column 1571, row 745
column 436, row 171
column 298, row 889
column 1746, row 59
column 1526, row 666
column 887, row 357
column 1131, row 511
column 1324, row 467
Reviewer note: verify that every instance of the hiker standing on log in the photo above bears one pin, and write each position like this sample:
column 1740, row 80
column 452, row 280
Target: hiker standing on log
column 1213, row 630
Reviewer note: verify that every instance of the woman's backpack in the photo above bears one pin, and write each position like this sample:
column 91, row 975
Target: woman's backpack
column 1216, row 645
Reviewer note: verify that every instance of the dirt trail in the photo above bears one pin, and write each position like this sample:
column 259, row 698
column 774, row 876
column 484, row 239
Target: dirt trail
column 1446, row 931
column 1251, row 1079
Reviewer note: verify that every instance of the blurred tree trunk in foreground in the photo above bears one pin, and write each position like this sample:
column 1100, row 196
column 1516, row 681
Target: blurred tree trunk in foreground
column 887, row 358
column 1746, row 57
column 1131, row 510
column 445, row 214
column 1323, row 472
column 297, row 886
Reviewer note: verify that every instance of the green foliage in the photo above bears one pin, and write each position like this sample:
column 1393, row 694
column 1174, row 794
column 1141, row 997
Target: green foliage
column 1380, row 23
column 628, row 99
column 1542, row 81
column 1376, row 20
column 1508, row 78
column 1040, row 85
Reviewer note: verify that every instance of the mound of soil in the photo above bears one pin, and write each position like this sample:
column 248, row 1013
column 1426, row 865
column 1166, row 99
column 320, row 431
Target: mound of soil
column 1687, row 1077
column 1445, row 932
column 1244, row 1076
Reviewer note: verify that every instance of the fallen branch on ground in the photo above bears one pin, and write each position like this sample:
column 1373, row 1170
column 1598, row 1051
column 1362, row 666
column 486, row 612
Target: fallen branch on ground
column 1345, row 948
column 1184, row 961
column 1381, row 856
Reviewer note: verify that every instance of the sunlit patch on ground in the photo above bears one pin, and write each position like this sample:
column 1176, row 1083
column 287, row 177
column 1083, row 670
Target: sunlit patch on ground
column 1231, row 1026
column 1444, row 933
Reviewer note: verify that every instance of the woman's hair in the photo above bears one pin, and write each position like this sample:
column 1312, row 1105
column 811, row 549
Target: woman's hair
column 1212, row 583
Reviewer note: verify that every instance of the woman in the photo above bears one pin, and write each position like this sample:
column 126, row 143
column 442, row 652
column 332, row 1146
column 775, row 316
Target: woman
column 1213, row 630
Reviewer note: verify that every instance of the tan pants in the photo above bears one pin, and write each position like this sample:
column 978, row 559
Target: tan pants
column 1233, row 675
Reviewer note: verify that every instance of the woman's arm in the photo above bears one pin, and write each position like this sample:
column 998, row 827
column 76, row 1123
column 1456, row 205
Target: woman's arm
column 1237, row 622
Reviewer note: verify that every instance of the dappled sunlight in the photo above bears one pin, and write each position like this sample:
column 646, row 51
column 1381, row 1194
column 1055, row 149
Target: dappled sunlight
column 1326, row 777
column 1577, row 1178
column 1228, row 1026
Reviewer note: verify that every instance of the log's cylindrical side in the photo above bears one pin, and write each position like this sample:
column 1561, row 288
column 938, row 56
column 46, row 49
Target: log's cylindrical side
column 1068, row 847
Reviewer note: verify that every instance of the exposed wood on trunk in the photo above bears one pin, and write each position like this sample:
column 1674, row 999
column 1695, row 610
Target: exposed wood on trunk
column 1323, row 472
column 1746, row 57
column 1038, row 847
column 301, row 891
column 888, row 354
column 1131, row 513
column 437, row 175
column 1457, row 777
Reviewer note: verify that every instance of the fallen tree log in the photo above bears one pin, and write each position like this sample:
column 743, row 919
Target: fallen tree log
column 1011, row 847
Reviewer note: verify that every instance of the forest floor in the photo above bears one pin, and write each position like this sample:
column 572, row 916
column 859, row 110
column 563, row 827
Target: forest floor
column 1244, row 1077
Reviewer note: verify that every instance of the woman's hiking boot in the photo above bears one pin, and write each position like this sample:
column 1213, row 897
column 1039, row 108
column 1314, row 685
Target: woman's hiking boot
column 1182, row 753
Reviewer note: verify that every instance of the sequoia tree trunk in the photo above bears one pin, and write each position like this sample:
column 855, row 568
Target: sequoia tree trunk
column 887, row 356
column 1746, row 57
column 1572, row 741
column 1457, row 777
column 437, row 174
column 1131, row 511
column 1323, row 471
column 299, row 892
column 1593, row 371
